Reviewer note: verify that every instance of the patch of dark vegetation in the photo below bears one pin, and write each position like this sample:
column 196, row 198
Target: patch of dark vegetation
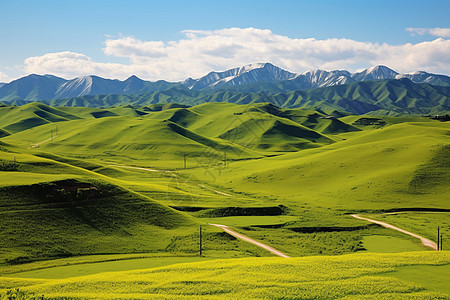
column 17, row 294
column 7, row 165
column 188, row 208
column 441, row 118
column 140, row 113
column 103, row 114
column 4, row 133
column 244, row 211
column 54, row 194
column 432, row 174
column 163, row 106
column 369, row 121
column 18, row 260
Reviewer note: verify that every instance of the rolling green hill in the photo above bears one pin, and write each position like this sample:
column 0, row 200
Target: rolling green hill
column 53, row 209
column 399, row 166
column 17, row 118
column 204, row 133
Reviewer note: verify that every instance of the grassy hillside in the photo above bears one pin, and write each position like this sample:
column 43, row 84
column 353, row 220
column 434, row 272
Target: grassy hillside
column 55, row 206
column 205, row 134
column 53, row 209
column 14, row 119
column 78, row 181
column 403, row 165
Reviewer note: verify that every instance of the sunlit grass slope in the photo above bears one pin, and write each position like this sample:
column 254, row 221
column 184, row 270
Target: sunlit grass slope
column 53, row 209
column 403, row 165
column 54, row 206
column 362, row 276
column 18, row 118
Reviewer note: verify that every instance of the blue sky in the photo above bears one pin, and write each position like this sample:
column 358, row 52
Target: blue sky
column 174, row 40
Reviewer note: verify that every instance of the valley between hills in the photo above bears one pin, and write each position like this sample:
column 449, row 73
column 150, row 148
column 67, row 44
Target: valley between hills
column 115, row 202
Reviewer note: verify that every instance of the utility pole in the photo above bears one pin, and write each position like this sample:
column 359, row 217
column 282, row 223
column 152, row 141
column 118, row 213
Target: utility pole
column 441, row 241
column 201, row 240
column 438, row 240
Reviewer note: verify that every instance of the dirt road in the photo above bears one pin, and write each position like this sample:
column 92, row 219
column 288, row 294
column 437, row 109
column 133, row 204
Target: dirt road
column 250, row 240
column 212, row 190
column 425, row 241
column 47, row 140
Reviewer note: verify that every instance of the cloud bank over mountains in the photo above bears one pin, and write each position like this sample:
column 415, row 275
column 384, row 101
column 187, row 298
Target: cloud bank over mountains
column 439, row 32
column 200, row 51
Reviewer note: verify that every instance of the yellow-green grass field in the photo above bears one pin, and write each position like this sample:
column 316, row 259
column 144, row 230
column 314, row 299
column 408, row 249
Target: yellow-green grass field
column 354, row 276
column 85, row 191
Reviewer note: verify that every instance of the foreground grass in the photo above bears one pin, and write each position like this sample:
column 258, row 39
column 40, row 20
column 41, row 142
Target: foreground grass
column 356, row 276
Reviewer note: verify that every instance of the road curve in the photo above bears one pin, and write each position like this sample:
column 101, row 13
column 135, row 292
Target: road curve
column 426, row 242
column 250, row 240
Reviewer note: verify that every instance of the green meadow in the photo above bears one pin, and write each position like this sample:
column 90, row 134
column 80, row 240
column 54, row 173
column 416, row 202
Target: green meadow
column 108, row 203
column 355, row 276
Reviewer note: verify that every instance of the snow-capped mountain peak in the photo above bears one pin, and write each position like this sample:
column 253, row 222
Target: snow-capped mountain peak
column 375, row 73
column 251, row 73
column 251, row 67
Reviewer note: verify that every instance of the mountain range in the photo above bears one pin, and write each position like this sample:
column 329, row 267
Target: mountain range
column 45, row 87
column 377, row 90
column 383, row 97
column 251, row 78
column 260, row 77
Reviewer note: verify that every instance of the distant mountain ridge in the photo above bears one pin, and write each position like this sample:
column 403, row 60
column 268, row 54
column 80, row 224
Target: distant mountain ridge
column 259, row 77
column 286, row 81
column 382, row 97
column 45, row 87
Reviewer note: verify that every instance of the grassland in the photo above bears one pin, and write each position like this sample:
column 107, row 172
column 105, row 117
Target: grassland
column 377, row 169
column 90, row 190
column 356, row 276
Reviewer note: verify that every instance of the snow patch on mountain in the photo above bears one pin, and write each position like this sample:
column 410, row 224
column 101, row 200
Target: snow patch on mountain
column 252, row 73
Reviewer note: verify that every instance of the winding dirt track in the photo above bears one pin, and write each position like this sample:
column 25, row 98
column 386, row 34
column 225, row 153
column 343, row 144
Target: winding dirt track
column 425, row 241
column 250, row 240
column 40, row 143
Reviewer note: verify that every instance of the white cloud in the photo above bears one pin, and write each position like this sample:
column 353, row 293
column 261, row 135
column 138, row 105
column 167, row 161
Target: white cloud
column 439, row 32
column 69, row 65
column 203, row 51
column 4, row 78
